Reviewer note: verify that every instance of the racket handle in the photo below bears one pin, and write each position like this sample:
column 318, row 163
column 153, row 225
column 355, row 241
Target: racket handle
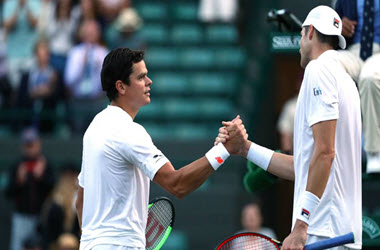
column 333, row 242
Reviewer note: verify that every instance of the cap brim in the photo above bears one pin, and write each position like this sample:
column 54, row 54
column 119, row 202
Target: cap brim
column 342, row 42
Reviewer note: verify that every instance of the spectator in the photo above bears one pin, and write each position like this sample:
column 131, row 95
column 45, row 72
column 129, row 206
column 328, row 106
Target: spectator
column 82, row 76
column 33, row 242
column 45, row 16
column 87, row 10
column 37, row 87
column 58, row 215
column 110, row 9
column 252, row 220
column 30, row 182
column 61, row 33
column 218, row 10
column 68, row 242
column 285, row 125
column 361, row 27
column 5, row 85
column 122, row 33
column 20, row 22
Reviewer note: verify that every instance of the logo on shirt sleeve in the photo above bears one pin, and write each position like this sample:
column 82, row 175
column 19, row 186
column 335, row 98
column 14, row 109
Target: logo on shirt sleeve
column 317, row 91
column 157, row 157
column 305, row 213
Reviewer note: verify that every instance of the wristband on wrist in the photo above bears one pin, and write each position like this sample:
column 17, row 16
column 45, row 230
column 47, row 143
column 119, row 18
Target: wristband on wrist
column 308, row 204
column 259, row 155
column 217, row 155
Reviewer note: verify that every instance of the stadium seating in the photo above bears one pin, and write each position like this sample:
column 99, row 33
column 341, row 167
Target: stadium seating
column 195, row 68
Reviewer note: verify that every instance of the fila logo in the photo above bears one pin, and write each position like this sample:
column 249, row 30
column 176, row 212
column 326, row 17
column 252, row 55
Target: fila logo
column 219, row 160
column 336, row 22
column 317, row 91
column 305, row 213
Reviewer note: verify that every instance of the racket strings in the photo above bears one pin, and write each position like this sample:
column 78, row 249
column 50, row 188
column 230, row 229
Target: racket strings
column 159, row 219
column 249, row 242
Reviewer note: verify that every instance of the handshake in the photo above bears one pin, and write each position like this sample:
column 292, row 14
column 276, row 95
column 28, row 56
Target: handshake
column 234, row 137
column 233, row 140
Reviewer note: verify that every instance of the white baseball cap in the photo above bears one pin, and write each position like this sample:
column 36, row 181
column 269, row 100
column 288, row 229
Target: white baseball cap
column 326, row 21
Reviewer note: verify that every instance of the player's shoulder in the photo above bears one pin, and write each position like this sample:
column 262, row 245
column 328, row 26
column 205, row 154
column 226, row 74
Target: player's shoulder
column 312, row 69
column 139, row 130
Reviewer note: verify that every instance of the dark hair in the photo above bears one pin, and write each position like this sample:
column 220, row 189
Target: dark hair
column 117, row 65
column 333, row 41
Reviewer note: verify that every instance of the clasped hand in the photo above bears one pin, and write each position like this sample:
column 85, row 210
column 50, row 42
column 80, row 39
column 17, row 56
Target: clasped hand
column 234, row 137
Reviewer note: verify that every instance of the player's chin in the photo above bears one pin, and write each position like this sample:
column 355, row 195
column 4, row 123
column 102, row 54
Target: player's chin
column 147, row 100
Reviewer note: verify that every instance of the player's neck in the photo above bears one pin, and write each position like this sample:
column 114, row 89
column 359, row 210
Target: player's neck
column 127, row 108
column 319, row 50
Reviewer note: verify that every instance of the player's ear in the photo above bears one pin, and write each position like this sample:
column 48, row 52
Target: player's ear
column 120, row 87
column 311, row 32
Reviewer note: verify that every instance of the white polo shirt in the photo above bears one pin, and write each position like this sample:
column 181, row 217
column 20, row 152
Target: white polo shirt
column 118, row 160
column 329, row 93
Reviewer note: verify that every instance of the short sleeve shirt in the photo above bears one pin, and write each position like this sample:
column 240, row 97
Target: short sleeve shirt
column 329, row 93
column 119, row 160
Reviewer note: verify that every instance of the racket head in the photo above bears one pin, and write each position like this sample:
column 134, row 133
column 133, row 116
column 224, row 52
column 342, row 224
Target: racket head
column 160, row 222
column 249, row 241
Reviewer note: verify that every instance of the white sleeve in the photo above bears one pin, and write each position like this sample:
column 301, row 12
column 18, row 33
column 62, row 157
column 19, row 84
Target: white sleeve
column 81, row 179
column 321, row 95
column 142, row 153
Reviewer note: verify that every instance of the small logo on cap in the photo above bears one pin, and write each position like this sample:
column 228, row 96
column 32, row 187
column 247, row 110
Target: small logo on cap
column 336, row 22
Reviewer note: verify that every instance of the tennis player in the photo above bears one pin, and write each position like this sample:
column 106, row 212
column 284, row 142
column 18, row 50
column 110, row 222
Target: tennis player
column 326, row 166
column 119, row 160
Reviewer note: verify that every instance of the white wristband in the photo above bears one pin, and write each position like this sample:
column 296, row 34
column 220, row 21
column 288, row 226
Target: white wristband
column 259, row 155
column 217, row 155
column 308, row 204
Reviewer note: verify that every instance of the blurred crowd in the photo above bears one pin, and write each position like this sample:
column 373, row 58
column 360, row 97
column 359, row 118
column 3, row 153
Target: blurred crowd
column 44, row 215
column 51, row 53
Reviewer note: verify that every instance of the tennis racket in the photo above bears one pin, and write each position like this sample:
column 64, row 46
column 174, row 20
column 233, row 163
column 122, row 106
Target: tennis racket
column 160, row 222
column 256, row 241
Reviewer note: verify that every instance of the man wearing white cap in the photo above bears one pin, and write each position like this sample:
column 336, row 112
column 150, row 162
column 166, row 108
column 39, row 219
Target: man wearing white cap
column 326, row 166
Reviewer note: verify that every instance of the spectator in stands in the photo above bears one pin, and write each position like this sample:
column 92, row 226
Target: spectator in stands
column 30, row 182
column 110, row 9
column 218, row 10
column 285, row 125
column 61, row 33
column 45, row 16
column 68, row 242
column 20, row 22
column 82, row 76
column 58, row 215
column 122, row 33
column 37, row 88
column 86, row 10
column 5, row 85
column 361, row 27
column 33, row 242
column 252, row 220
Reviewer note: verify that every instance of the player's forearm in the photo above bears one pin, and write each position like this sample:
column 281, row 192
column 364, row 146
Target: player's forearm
column 282, row 166
column 319, row 171
column 191, row 176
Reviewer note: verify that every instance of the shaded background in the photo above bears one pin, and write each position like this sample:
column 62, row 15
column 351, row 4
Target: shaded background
column 201, row 76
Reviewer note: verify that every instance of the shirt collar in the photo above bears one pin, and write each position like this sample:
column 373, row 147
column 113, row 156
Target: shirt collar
column 119, row 111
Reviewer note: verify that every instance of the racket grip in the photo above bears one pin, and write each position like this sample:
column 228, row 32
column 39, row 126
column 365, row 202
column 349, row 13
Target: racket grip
column 333, row 242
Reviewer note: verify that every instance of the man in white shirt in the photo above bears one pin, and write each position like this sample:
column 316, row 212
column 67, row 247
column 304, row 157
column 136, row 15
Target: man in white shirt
column 326, row 166
column 120, row 159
